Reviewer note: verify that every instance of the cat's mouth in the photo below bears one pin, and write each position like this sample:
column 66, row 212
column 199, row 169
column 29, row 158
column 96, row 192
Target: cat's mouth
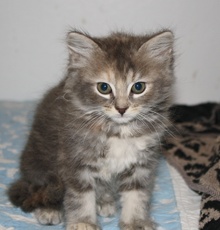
column 121, row 119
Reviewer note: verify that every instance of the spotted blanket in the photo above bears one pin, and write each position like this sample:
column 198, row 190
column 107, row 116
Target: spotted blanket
column 194, row 150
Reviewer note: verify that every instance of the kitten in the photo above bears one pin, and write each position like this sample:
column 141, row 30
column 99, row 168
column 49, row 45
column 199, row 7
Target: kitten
column 97, row 133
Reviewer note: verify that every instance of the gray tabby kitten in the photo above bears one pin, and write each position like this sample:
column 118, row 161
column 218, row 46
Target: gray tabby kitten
column 96, row 135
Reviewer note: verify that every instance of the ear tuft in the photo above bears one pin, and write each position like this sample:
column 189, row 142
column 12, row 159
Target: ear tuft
column 81, row 48
column 159, row 47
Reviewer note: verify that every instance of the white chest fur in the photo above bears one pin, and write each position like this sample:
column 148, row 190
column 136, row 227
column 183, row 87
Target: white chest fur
column 121, row 153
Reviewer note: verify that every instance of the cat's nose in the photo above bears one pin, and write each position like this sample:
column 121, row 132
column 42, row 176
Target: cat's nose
column 121, row 110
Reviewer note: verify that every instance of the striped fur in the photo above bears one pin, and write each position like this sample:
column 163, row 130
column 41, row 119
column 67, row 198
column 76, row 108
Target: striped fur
column 91, row 148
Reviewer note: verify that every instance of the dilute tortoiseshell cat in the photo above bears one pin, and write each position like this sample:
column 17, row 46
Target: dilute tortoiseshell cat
column 96, row 135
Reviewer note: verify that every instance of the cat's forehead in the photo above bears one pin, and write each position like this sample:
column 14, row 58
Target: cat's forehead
column 118, row 78
column 120, row 49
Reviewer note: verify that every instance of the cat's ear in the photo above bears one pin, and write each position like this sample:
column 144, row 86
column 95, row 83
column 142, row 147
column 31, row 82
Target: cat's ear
column 81, row 48
column 159, row 47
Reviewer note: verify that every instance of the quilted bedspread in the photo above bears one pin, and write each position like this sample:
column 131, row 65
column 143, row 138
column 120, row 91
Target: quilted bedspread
column 15, row 121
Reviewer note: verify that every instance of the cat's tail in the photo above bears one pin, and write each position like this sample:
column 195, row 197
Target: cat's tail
column 29, row 197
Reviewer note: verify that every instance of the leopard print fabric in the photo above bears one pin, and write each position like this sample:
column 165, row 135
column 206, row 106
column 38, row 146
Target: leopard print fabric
column 194, row 151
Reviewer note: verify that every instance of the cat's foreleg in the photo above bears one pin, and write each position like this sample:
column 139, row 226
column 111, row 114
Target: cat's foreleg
column 105, row 198
column 135, row 190
column 80, row 206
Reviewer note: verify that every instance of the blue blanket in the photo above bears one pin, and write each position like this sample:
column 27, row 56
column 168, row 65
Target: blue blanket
column 15, row 120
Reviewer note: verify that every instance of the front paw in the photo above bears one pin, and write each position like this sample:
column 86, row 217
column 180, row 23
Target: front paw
column 138, row 225
column 82, row 226
column 106, row 209
column 48, row 216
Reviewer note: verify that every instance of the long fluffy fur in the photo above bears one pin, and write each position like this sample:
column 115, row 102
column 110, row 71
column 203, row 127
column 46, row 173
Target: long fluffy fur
column 79, row 142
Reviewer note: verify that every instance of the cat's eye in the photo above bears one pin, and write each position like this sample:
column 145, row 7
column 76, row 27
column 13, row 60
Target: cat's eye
column 138, row 87
column 104, row 88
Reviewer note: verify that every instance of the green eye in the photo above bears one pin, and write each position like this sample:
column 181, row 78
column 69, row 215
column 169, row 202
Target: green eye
column 104, row 88
column 138, row 87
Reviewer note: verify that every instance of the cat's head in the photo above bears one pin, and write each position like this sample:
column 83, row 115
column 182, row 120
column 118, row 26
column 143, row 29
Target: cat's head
column 121, row 77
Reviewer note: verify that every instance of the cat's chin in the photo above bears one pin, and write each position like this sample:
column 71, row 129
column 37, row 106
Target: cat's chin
column 121, row 120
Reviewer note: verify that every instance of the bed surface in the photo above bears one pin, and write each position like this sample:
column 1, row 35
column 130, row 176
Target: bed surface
column 15, row 121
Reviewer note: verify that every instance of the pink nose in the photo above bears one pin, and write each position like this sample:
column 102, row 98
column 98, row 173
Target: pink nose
column 121, row 110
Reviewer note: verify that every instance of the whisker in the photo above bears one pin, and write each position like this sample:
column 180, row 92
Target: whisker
column 91, row 122
column 96, row 121
column 152, row 125
column 169, row 123
column 144, row 121
column 85, row 114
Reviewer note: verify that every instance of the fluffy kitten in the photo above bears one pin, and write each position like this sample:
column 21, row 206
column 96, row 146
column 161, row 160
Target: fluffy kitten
column 98, row 132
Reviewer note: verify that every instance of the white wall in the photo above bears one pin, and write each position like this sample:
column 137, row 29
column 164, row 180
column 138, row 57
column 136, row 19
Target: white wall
column 33, row 53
